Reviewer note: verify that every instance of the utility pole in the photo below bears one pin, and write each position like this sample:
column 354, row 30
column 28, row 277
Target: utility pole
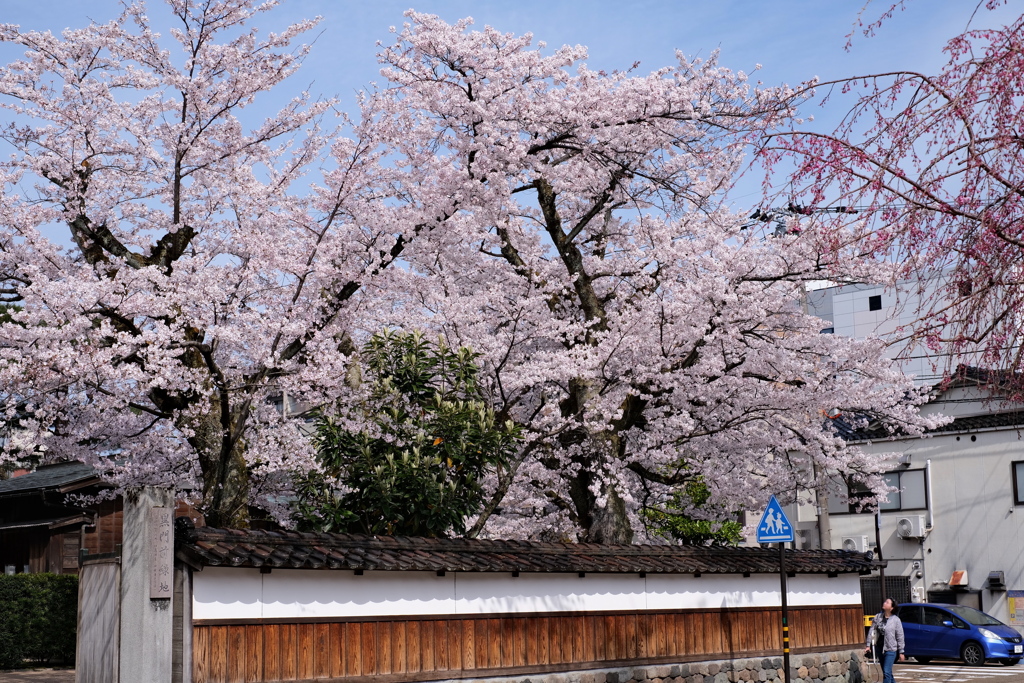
column 878, row 545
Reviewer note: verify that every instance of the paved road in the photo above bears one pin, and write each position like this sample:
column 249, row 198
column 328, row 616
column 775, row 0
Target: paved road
column 953, row 672
column 38, row 676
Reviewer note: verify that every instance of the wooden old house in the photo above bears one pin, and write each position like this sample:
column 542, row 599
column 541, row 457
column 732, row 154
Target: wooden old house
column 43, row 527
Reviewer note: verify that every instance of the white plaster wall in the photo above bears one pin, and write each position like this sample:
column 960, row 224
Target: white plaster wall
column 230, row 593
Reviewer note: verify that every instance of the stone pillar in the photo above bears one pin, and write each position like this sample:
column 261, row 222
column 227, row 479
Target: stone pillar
column 147, row 548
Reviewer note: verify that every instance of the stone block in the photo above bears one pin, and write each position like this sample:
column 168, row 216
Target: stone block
column 612, row 677
column 721, row 677
column 813, row 673
column 834, row 657
column 713, row 669
column 832, row 668
column 801, row 672
column 659, row 672
column 762, row 675
column 588, row 678
column 695, row 678
column 680, row 670
column 726, row 665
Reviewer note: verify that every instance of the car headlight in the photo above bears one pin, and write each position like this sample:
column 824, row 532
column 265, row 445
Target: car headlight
column 988, row 634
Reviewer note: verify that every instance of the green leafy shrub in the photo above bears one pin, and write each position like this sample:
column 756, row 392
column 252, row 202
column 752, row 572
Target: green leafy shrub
column 38, row 619
column 671, row 521
column 430, row 438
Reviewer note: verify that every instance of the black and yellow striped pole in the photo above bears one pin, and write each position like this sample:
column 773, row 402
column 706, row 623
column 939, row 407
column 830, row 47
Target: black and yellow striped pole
column 785, row 612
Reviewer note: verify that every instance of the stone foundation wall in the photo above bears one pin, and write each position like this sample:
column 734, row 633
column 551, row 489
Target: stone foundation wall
column 831, row 667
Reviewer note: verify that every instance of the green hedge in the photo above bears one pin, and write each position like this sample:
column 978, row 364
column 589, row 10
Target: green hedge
column 38, row 619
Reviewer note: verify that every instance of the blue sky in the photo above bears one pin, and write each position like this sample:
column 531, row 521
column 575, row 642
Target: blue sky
column 793, row 39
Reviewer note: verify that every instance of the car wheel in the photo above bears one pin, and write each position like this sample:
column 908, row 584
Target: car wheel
column 923, row 660
column 1012, row 661
column 972, row 654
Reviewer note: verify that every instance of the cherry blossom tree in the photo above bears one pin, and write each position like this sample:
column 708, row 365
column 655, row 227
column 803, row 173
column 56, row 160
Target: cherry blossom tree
column 644, row 336
column 174, row 268
column 178, row 267
column 933, row 164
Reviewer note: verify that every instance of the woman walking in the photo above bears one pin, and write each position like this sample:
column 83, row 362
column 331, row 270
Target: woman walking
column 886, row 636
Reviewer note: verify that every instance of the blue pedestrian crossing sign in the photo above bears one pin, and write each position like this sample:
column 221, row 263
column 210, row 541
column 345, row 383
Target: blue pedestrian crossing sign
column 774, row 526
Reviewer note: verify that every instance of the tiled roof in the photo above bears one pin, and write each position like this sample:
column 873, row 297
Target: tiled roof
column 48, row 477
column 206, row 546
column 960, row 424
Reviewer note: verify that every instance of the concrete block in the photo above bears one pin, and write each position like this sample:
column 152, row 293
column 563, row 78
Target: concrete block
column 146, row 626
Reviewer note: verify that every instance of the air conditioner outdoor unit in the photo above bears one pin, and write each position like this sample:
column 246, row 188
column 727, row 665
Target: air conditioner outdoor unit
column 856, row 544
column 910, row 527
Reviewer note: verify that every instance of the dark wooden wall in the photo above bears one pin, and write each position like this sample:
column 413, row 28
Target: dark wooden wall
column 421, row 649
column 105, row 535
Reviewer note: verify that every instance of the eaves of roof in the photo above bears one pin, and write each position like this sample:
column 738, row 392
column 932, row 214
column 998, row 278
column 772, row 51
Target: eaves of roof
column 973, row 423
column 209, row 547
column 63, row 477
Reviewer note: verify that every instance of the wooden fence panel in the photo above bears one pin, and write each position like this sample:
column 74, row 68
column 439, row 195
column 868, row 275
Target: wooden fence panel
column 441, row 647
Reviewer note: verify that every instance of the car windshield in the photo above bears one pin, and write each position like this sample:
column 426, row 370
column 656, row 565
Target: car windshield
column 973, row 616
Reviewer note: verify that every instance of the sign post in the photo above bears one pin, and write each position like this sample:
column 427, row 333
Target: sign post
column 775, row 527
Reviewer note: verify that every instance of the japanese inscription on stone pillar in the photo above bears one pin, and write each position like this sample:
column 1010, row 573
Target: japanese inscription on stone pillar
column 161, row 552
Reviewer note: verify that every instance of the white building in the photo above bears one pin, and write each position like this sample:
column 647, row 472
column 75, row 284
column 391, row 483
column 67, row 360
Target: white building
column 861, row 311
column 954, row 528
column 952, row 533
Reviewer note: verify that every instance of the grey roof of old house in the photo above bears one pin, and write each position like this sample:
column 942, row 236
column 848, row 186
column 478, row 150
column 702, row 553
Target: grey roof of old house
column 49, row 477
column 862, row 428
column 209, row 547
column 873, row 432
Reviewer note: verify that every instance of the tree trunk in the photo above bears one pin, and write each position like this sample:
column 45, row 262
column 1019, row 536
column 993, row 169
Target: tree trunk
column 601, row 513
column 600, row 510
column 225, row 474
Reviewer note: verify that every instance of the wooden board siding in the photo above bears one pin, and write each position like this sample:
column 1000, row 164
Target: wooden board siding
column 105, row 535
column 423, row 649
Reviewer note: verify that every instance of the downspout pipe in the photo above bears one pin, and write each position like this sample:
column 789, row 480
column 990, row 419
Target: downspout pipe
column 928, row 493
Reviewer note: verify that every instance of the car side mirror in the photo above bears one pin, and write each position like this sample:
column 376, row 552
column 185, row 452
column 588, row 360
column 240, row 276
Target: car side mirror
column 947, row 623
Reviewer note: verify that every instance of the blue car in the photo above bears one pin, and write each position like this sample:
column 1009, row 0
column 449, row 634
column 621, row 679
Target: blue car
column 958, row 632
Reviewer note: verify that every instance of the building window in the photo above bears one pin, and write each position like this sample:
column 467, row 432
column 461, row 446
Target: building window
column 875, row 302
column 911, row 494
column 1018, row 482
